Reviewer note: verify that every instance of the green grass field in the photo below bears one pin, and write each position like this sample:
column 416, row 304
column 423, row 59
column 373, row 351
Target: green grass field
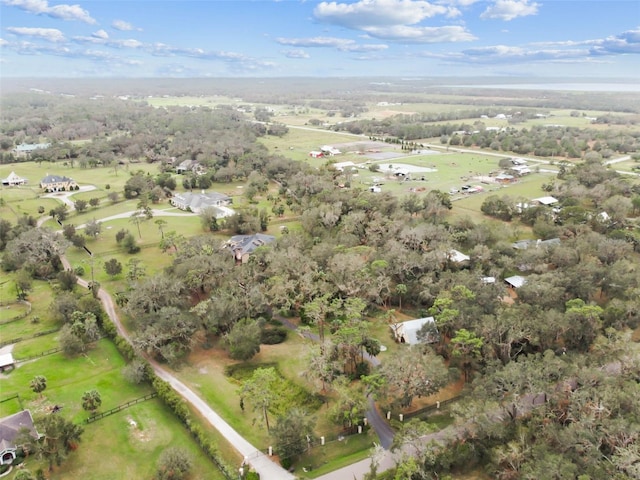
column 134, row 437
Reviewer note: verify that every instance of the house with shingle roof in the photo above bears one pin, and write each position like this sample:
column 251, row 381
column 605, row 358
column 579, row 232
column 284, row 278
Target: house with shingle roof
column 58, row 183
column 196, row 202
column 10, row 428
column 243, row 246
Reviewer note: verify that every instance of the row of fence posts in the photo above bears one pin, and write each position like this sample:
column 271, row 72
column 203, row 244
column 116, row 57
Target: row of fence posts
column 365, row 422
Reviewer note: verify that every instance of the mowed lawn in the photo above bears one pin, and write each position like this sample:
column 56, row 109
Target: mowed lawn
column 99, row 176
column 205, row 374
column 124, row 445
column 129, row 443
column 38, row 318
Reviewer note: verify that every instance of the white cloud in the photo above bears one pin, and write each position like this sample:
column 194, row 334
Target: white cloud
column 507, row 10
column 341, row 44
column 123, row 26
column 62, row 11
column 396, row 20
column 330, row 42
column 98, row 39
column 128, row 43
column 461, row 3
column 410, row 34
column 296, row 54
column 377, row 13
column 100, row 34
column 625, row 43
column 3, row 42
column 504, row 54
column 49, row 34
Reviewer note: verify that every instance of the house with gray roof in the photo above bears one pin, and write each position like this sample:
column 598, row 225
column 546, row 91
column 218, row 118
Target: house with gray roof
column 190, row 166
column 197, row 202
column 10, row 428
column 58, row 183
column 243, row 246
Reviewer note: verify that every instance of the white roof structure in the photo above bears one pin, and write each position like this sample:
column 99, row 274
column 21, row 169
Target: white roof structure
column 6, row 359
column 340, row 166
column 458, row 257
column 521, row 169
column 516, row 281
column 545, row 200
column 407, row 332
column 13, row 179
column 330, row 150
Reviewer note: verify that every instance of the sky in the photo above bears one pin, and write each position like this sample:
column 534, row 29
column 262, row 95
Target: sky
column 285, row 38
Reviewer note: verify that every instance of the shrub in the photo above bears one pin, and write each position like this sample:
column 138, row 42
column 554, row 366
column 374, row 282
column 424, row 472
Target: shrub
column 286, row 463
column 273, row 336
column 79, row 270
column 362, row 369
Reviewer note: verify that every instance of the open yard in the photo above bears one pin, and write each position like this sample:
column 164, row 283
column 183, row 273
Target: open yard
column 134, row 437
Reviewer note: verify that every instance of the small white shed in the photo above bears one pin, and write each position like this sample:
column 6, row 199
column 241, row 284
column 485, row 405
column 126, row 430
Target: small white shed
column 407, row 332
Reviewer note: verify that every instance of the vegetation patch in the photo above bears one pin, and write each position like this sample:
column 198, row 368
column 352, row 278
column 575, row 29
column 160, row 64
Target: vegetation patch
column 288, row 393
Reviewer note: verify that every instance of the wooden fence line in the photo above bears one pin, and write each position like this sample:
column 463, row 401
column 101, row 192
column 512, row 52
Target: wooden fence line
column 431, row 408
column 51, row 351
column 35, row 335
column 101, row 415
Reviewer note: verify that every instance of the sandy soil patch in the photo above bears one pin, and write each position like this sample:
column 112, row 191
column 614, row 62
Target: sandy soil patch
column 136, row 432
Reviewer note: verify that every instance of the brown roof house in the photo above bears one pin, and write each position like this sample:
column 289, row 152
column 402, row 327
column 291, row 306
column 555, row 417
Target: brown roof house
column 10, row 427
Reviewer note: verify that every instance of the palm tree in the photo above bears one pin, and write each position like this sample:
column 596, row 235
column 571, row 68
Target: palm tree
column 38, row 384
column 91, row 401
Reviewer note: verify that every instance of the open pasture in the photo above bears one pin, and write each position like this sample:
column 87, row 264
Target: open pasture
column 134, row 437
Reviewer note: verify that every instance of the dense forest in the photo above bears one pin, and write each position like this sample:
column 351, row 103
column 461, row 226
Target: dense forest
column 565, row 336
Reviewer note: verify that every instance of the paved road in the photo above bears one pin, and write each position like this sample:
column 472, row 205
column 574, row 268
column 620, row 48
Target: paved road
column 378, row 423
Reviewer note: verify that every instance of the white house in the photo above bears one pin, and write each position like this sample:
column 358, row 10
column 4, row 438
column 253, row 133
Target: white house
column 13, row 180
column 521, row 169
column 407, row 332
column 340, row 166
column 329, row 150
